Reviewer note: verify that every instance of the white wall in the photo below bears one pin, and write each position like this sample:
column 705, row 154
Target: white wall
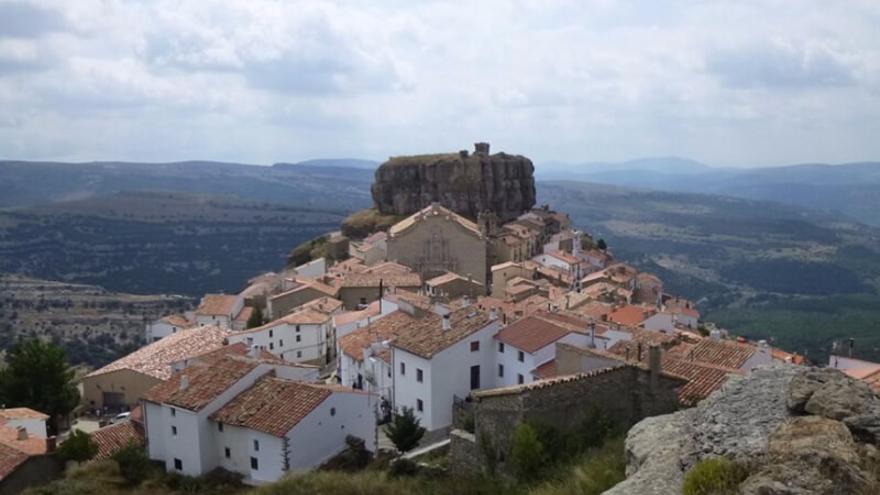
column 312, row 269
column 660, row 322
column 34, row 427
column 159, row 329
column 281, row 340
column 220, row 321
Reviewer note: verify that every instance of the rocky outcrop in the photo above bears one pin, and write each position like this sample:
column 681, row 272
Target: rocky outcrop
column 798, row 431
column 465, row 183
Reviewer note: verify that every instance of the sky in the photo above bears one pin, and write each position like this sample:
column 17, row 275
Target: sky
column 746, row 83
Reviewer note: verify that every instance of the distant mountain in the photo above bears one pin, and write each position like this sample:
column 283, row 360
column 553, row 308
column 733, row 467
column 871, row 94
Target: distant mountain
column 851, row 190
column 332, row 162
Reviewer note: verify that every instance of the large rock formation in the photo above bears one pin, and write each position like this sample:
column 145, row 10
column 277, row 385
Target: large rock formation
column 465, row 183
column 798, row 431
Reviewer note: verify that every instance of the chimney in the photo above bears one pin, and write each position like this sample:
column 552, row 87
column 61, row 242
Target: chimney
column 446, row 323
column 22, row 433
column 254, row 351
column 715, row 335
column 654, row 366
column 493, row 314
column 184, row 382
column 465, row 301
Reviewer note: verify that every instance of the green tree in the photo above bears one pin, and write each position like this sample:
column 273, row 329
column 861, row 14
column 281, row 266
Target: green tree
column 78, row 447
column 601, row 244
column 134, row 465
column 38, row 376
column 256, row 318
column 526, row 452
column 404, row 430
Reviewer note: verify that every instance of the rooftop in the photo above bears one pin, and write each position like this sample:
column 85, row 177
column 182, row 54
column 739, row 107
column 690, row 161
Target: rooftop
column 531, row 334
column 155, row 359
column 385, row 328
column 630, row 316
column 272, row 405
column 426, row 336
column 371, row 279
column 111, row 439
column 217, row 305
column 10, row 459
column 435, row 210
column 205, row 382
column 21, row 413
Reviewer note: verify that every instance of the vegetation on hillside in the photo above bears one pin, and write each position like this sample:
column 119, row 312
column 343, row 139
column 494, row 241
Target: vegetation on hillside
column 364, row 222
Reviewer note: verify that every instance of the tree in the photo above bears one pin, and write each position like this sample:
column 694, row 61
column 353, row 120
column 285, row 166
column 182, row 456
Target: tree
column 404, row 430
column 38, row 376
column 526, row 452
column 601, row 244
column 256, row 318
column 134, row 465
column 78, row 447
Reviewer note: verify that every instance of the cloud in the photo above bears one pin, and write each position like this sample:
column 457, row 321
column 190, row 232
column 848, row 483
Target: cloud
column 777, row 65
column 25, row 20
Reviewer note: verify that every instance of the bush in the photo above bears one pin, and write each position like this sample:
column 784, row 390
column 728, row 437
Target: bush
column 404, row 430
column 134, row 465
column 403, row 467
column 78, row 447
column 715, row 476
column 526, row 452
column 595, row 473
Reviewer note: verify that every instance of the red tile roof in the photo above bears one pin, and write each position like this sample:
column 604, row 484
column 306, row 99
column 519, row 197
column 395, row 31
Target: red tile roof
column 272, row 405
column 155, row 359
column 531, row 334
column 30, row 445
column 385, row 328
column 723, row 353
column 10, row 459
column 630, row 316
column 22, row 413
column 546, row 370
column 111, row 439
column 216, row 304
column 426, row 337
column 205, row 383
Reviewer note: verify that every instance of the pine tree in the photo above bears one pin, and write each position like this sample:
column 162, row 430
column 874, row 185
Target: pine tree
column 404, row 430
column 256, row 318
column 601, row 244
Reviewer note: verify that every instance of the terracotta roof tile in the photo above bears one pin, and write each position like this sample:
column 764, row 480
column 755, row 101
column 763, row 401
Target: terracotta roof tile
column 386, row 328
column 31, row 445
column 369, row 279
column 111, row 439
column 531, row 334
column 205, row 383
column 426, row 337
column 216, row 304
column 723, row 353
column 433, row 210
column 10, row 459
column 272, row 405
column 630, row 316
column 177, row 320
column 155, row 359
column 546, row 370
column 22, row 413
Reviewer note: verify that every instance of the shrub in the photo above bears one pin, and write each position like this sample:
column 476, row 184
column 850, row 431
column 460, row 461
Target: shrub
column 134, row 465
column 715, row 476
column 526, row 452
column 403, row 467
column 78, row 447
column 597, row 472
column 404, row 430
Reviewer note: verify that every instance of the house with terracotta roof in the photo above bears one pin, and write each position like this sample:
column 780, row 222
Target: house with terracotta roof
column 25, row 451
column 373, row 249
column 526, row 345
column 451, row 286
column 441, row 358
column 304, row 336
column 562, row 261
column 260, row 419
column 218, row 310
column 113, row 438
column 360, row 289
column 120, row 384
column 630, row 315
column 167, row 325
column 301, row 291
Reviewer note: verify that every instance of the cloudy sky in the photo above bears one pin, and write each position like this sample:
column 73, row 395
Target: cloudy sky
column 729, row 83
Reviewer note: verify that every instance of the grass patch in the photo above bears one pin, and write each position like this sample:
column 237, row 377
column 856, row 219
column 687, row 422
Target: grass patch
column 715, row 476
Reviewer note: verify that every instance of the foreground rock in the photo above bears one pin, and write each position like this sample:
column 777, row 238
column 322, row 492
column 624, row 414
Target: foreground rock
column 798, row 431
column 467, row 184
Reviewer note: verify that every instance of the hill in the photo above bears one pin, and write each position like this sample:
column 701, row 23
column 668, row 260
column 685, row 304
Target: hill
column 851, row 189
column 151, row 242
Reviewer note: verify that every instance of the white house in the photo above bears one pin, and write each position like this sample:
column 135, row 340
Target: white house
column 165, row 326
column 527, row 344
column 348, row 321
column 304, row 336
column 313, row 269
column 218, row 310
column 33, row 422
column 660, row 322
column 253, row 417
column 560, row 260
column 441, row 358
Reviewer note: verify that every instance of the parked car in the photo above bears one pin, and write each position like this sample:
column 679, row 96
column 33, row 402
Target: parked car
column 119, row 418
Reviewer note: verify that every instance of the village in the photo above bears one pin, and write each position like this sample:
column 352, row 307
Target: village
column 467, row 323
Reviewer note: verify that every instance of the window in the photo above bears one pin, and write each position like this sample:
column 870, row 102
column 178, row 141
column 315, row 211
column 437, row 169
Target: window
column 256, row 445
column 299, row 354
column 271, row 346
column 255, row 464
column 363, row 301
column 419, row 375
column 219, row 426
column 332, row 411
column 173, row 412
column 178, row 464
column 227, row 452
column 280, row 343
column 297, row 329
column 501, row 370
column 501, row 347
column 519, row 379
column 420, row 406
column 271, row 333
column 520, row 356
column 402, row 368
column 174, row 431
column 475, row 346
column 298, row 338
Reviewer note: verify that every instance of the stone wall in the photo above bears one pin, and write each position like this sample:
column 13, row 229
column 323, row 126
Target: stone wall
column 467, row 184
column 464, row 453
column 623, row 394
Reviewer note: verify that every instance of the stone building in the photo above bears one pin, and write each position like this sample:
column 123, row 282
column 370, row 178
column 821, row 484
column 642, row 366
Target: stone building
column 436, row 240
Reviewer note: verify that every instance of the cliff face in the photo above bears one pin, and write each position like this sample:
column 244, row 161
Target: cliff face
column 465, row 183
column 797, row 431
